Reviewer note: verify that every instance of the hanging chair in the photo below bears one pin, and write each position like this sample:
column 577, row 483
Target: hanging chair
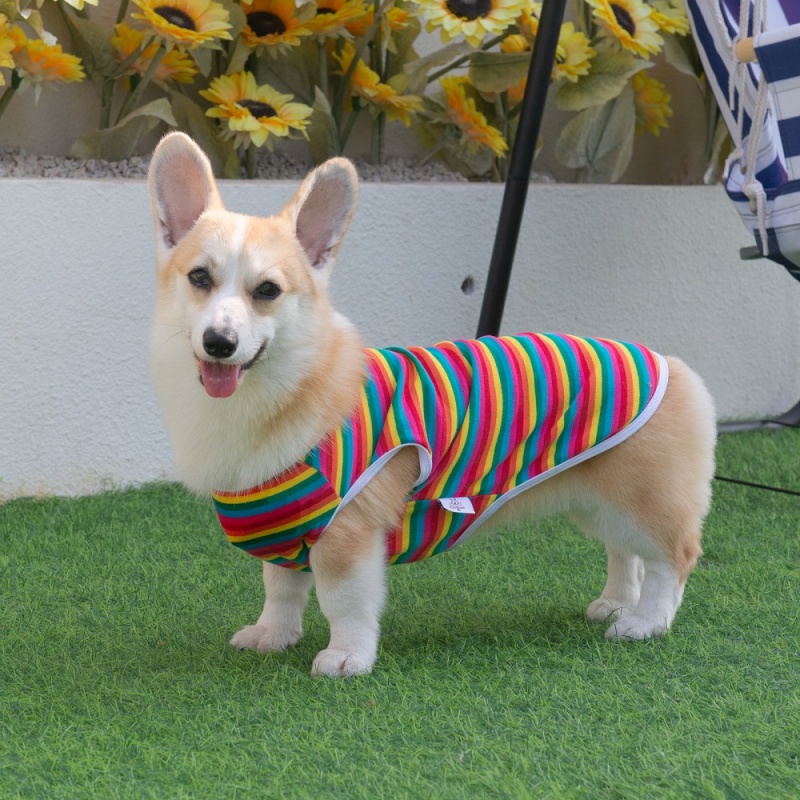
column 751, row 54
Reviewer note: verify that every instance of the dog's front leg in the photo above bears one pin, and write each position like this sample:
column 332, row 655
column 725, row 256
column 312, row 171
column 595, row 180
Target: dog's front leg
column 351, row 589
column 281, row 622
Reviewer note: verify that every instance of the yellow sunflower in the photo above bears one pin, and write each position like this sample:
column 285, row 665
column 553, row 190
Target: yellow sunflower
column 254, row 114
column 331, row 17
column 573, row 55
column 6, row 46
column 44, row 63
column 186, row 23
column 652, row 104
column 670, row 16
column 476, row 132
column 529, row 21
column 396, row 18
column 631, row 23
column 174, row 66
column 472, row 18
column 366, row 83
column 276, row 24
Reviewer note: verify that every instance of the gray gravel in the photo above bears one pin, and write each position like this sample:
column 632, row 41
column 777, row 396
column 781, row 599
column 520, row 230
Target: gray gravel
column 17, row 163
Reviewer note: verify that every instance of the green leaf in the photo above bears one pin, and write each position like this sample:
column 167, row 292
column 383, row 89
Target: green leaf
column 119, row 142
column 401, row 42
column 294, row 72
column 600, row 139
column 238, row 60
column 457, row 155
column 323, row 137
column 192, row 119
column 237, row 19
column 94, row 44
column 203, row 58
column 609, row 75
column 36, row 22
column 496, row 72
column 679, row 51
column 418, row 70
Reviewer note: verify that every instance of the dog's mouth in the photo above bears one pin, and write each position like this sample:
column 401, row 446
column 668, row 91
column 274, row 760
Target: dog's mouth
column 220, row 379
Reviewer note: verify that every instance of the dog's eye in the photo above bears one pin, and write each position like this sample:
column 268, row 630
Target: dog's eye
column 199, row 278
column 267, row 291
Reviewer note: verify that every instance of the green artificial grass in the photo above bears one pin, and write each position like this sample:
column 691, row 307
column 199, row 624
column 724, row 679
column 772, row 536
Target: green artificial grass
column 116, row 680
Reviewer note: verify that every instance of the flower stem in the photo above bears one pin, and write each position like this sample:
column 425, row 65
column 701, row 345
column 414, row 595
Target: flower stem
column 122, row 11
column 133, row 98
column 430, row 154
column 376, row 57
column 323, row 67
column 251, row 161
column 501, row 110
column 120, row 70
column 106, row 101
column 377, row 139
column 348, row 129
column 5, row 98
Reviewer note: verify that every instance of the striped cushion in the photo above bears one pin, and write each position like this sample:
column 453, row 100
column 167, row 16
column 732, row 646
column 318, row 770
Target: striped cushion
column 714, row 24
column 489, row 417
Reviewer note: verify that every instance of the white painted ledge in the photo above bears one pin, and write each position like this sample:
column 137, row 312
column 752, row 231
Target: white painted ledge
column 654, row 264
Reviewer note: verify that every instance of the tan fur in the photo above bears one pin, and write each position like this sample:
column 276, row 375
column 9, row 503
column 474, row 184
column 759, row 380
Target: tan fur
column 334, row 381
column 380, row 505
column 645, row 499
column 659, row 477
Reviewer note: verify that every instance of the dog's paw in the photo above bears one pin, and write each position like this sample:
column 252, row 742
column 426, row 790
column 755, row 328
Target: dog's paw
column 263, row 638
column 605, row 609
column 633, row 628
column 341, row 664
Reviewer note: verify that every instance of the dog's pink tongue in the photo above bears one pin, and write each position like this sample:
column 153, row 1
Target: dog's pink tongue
column 220, row 380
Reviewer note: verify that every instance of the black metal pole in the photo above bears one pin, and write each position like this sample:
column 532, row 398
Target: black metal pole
column 519, row 169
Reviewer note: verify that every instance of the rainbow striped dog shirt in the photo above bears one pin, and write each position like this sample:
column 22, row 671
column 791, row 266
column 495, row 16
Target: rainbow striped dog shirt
column 489, row 417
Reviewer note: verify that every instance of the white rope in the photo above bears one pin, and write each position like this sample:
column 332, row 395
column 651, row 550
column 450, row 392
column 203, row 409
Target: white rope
column 752, row 187
column 741, row 68
column 735, row 76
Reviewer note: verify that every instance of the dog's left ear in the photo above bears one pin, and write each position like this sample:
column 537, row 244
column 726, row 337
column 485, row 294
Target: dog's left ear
column 321, row 211
column 182, row 187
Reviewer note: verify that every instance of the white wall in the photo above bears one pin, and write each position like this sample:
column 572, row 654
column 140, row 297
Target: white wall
column 658, row 265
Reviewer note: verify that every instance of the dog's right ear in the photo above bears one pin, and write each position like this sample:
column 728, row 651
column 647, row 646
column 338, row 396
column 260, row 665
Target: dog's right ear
column 182, row 187
column 321, row 210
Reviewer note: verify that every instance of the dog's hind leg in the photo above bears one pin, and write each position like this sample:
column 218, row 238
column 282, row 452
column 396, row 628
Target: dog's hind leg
column 281, row 622
column 623, row 586
column 646, row 571
column 651, row 494
column 662, row 592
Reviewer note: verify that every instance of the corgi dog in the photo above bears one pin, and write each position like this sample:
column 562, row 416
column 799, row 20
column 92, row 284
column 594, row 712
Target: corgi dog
column 266, row 389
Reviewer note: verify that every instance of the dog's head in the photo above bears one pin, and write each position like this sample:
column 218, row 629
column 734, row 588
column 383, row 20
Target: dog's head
column 239, row 285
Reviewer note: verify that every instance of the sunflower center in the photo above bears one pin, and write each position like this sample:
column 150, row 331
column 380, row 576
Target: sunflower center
column 469, row 9
column 624, row 19
column 176, row 17
column 258, row 109
column 263, row 23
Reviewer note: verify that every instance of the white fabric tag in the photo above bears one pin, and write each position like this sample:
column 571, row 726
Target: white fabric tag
column 458, row 505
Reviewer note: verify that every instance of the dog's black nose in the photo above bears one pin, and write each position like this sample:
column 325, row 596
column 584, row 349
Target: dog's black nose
column 219, row 344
